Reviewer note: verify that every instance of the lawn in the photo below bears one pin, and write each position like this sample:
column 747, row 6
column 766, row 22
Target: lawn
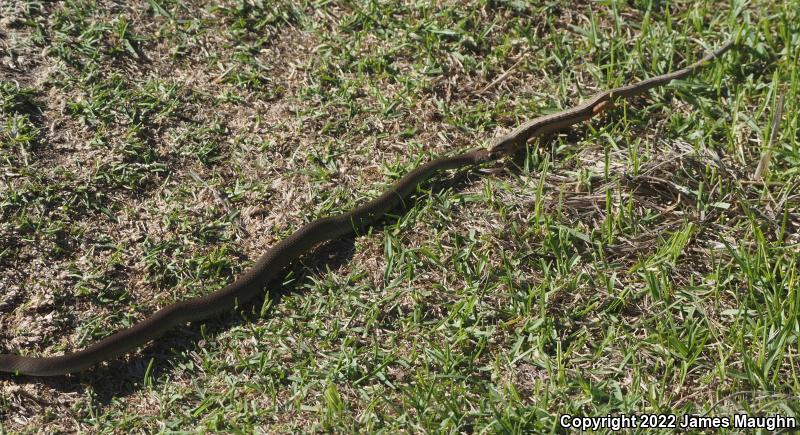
column 635, row 263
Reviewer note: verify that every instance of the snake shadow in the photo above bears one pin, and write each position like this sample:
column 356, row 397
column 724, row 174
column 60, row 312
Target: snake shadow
column 126, row 375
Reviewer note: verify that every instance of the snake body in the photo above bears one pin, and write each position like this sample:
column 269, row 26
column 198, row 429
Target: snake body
column 270, row 264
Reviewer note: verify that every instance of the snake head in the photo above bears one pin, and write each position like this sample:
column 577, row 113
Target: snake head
column 602, row 105
column 501, row 146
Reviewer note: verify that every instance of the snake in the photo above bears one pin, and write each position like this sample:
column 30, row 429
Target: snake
column 270, row 264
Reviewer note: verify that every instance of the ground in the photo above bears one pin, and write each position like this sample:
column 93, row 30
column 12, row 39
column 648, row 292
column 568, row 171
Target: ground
column 150, row 151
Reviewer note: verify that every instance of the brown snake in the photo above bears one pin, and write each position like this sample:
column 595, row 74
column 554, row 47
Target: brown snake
column 271, row 263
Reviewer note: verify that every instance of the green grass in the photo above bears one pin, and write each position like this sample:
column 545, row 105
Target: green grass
column 149, row 152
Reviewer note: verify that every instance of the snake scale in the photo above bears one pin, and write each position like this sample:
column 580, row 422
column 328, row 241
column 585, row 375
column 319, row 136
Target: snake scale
column 270, row 264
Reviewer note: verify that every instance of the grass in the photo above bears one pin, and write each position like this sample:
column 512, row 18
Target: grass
column 149, row 152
